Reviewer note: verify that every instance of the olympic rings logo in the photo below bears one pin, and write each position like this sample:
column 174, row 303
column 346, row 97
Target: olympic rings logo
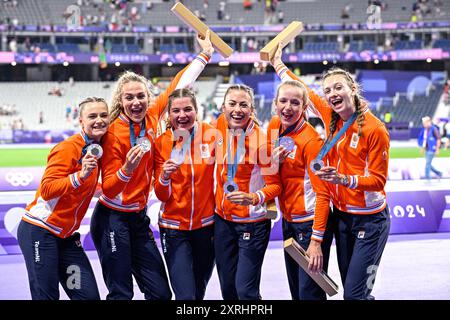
column 16, row 179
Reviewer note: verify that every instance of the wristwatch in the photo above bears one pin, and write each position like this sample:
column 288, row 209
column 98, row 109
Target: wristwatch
column 344, row 180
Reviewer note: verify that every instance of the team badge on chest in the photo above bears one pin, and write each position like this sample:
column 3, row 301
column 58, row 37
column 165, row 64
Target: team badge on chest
column 354, row 141
column 204, row 151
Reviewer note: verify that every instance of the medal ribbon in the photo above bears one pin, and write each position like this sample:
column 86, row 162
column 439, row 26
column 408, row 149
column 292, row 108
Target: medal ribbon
column 87, row 143
column 133, row 136
column 187, row 144
column 328, row 145
column 232, row 166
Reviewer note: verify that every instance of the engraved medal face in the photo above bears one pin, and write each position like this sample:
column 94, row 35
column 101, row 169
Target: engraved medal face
column 316, row 165
column 287, row 143
column 96, row 150
column 230, row 186
column 177, row 155
column 144, row 143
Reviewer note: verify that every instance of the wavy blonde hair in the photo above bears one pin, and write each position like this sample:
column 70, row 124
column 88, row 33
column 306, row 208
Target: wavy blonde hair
column 358, row 100
column 124, row 78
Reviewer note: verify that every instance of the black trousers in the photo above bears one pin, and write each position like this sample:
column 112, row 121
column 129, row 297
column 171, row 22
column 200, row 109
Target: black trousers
column 360, row 241
column 240, row 250
column 51, row 261
column 301, row 285
column 126, row 248
column 189, row 256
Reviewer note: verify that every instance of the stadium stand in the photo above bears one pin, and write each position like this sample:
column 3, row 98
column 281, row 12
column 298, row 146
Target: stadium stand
column 51, row 11
column 54, row 108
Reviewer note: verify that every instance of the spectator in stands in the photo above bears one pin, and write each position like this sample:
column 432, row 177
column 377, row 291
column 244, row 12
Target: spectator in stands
column 47, row 233
column 345, row 14
column 184, row 182
column 270, row 11
column 446, row 94
column 447, row 135
column 56, row 91
column 429, row 141
column 75, row 113
column 221, row 11
column 305, row 200
column 13, row 45
column 247, row 4
column 120, row 227
column 280, row 16
column 68, row 112
column 357, row 171
column 41, row 117
column 18, row 124
column 373, row 14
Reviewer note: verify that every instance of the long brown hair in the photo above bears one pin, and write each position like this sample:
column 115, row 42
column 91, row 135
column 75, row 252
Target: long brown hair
column 124, row 78
column 249, row 91
column 358, row 100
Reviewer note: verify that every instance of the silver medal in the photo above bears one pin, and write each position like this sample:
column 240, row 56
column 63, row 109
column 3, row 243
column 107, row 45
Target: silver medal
column 288, row 143
column 144, row 143
column 177, row 155
column 96, row 150
column 230, row 186
column 316, row 165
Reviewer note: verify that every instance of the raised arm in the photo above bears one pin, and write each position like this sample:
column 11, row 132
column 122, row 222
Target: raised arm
column 318, row 105
column 188, row 75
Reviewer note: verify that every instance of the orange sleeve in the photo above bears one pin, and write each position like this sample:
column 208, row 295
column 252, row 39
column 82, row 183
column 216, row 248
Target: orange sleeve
column 162, row 187
column 185, row 78
column 58, row 179
column 318, row 105
column 322, row 207
column 377, row 159
column 162, row 100
column 114, row 180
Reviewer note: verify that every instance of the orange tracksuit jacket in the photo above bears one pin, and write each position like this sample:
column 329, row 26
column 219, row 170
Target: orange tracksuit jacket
column 188, row 196
column 305, row 197
column 62, row 198
column 364, row 159
column 253, row 175
column 130, row 193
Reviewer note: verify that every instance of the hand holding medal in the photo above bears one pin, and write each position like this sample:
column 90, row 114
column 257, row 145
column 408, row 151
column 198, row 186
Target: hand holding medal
column 177, row 156
column 169, row 167
column 287, row 142
column 317, row 164
column 242, row 198
column 144, row 143
column 329, row 174
column 96, row 150
column 88, row 164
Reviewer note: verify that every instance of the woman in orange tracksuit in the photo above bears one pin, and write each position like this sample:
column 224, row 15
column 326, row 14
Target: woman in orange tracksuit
column 184, row 182
column 305, row 200
column 357, row 172
column 245, row 180
column 120, row 227
column 48, row 234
